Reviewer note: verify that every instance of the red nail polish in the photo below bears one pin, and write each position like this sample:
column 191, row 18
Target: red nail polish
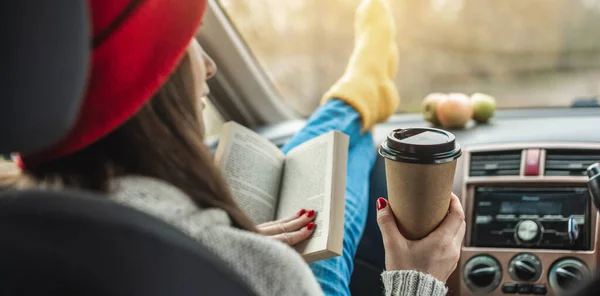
column 310, row 226
column 301, row 212
column 310, row 213
column 381, row 203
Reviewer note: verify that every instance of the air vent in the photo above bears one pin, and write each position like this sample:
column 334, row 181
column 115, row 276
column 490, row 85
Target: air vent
column 503, row 163
column 569, row 162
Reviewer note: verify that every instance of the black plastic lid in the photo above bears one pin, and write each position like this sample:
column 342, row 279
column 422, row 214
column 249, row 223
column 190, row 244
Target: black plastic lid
column 420, row 145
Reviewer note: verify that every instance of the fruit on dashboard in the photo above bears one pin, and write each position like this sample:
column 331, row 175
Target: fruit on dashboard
column 484, row 107
column 429, row 107
column 454, row 111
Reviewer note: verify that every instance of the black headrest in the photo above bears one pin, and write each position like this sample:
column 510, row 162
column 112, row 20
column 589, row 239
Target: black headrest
column 44, row 62
column 71, row 243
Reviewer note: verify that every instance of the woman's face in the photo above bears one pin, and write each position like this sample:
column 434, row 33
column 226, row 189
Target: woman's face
column 203, row 68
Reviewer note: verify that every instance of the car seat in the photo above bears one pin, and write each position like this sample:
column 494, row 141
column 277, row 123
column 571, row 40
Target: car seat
column 75, row 242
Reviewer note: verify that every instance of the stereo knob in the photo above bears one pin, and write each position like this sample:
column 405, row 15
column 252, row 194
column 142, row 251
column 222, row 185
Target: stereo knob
column 567, row 274
column 573, row 230
column 482, row 274
column 527, row 231
column 525, row 267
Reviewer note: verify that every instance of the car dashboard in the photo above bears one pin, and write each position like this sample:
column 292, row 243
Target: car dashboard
column 531, row 226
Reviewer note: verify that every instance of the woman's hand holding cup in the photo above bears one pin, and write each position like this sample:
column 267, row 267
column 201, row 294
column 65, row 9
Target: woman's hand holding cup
column 437, row 254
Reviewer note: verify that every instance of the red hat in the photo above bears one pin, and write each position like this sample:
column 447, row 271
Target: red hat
column 137, row 44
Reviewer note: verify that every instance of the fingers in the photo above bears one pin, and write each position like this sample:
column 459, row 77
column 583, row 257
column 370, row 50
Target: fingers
column 454, row 220
column 293, row 238
column 287, row 225
column 457, row 242
column 291, row 230
column 300, row 213
column 387, row 223
column 460, row 235
column 456, row 207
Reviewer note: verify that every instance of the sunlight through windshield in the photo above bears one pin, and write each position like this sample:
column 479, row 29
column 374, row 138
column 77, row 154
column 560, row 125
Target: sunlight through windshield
column 534, row 53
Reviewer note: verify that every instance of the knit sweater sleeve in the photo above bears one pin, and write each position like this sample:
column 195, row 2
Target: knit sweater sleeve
column 267, row 266
column 412, row 283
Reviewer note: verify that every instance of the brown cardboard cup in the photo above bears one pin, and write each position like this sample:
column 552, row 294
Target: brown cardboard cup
column 420, row 165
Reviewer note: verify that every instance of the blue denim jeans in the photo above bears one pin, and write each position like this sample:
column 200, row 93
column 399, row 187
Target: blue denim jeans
column 334, row 274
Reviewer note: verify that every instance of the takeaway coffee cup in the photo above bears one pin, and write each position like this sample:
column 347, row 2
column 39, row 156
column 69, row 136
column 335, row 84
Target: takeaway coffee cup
column 419, row 165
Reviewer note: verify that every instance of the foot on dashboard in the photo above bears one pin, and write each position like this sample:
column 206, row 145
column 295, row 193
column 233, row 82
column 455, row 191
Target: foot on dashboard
column 368, row 82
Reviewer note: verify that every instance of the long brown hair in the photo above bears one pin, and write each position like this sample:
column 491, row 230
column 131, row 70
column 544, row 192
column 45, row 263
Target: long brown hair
column 163, row 140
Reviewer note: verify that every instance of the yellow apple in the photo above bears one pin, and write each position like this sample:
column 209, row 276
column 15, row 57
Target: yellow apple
column 429, row 107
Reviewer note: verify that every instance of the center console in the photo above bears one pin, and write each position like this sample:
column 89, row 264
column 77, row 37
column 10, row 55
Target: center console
column 531, row 217
column 531, row 224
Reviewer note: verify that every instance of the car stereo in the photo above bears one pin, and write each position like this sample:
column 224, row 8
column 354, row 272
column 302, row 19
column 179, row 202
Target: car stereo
column 540, row 218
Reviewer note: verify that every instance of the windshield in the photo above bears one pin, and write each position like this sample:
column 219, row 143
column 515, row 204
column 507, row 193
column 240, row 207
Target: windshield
column 533, row 53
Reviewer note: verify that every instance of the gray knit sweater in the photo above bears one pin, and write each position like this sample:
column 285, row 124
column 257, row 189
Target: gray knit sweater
column 267, row 266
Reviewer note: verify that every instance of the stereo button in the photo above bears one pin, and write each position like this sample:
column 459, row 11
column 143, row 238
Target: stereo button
column 509, row 288
column 524, row 288
column 529, row 217
column 539, row 289
column 527, row 231
column 553, row 217
column 573, row 230
column 505, row 217
column 483, row 219
column 579, row 219
column 532, row 162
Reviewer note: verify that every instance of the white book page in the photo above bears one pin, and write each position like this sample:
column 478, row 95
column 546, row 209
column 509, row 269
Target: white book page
column 306, row 184
column 252, row 167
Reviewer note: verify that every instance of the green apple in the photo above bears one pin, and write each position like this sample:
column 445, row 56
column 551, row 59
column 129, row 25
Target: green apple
column 429, row 107
column 484, row 107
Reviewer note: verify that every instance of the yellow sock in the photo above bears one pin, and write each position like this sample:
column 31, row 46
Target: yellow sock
column 367, row 84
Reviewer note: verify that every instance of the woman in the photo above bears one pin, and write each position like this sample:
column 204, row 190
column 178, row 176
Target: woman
column 139, row 139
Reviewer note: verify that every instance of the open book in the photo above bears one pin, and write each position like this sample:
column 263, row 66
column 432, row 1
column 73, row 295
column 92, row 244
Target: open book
column 269, row 185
